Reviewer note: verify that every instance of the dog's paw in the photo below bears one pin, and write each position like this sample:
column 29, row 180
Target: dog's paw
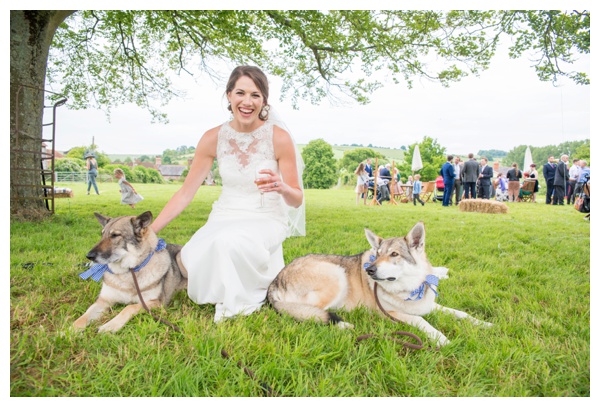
column 110, row 327
column 80, row 324
column 344, row 325
column 443, row 341
column 440, row 272
column 69, row 330
column 479, row 322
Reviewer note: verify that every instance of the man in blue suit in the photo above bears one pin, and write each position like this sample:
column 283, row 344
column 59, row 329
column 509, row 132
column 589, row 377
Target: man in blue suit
column 447, row 172
column 486, row 174
column 549, row 172
column 369, row 168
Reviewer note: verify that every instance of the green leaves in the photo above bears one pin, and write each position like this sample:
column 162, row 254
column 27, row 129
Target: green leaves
column 104, row 58
column 433, row 156
column 319, row 165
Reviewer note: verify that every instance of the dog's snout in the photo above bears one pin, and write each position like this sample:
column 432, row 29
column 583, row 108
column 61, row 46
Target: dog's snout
column 372, row 269
column 92, row 254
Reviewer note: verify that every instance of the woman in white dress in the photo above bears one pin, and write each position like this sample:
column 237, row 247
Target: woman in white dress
column 232, row 259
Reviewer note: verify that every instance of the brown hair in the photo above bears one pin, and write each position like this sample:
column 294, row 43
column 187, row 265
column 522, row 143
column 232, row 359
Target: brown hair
column 259, row 79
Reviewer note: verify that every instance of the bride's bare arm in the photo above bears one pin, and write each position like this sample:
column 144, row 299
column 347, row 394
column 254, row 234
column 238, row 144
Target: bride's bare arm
column 206, row 151
column 285, row 153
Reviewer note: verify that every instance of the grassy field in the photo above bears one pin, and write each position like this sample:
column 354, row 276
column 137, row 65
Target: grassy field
column 527, row 272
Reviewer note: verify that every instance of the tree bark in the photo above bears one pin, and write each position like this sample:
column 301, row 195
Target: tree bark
column 31, row 33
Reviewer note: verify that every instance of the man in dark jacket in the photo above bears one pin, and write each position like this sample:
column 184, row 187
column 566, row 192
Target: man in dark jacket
column 385, row 174
column 485, row 179
column 561, row 178
column 469, row 175
column 549, row 170
column 447, row 172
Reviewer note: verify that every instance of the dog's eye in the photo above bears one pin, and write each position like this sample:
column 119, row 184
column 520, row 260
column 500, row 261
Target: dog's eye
column 394, row 254
column 114, row 235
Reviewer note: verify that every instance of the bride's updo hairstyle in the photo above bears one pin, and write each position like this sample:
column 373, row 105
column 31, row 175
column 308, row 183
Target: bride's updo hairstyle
column 259, row 79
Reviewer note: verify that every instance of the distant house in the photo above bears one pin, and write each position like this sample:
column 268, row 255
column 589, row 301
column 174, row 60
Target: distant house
column 170, row 172
column 499, row 169
column 47, row 156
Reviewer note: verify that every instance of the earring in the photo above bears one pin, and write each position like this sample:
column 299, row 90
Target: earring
column 264, row 112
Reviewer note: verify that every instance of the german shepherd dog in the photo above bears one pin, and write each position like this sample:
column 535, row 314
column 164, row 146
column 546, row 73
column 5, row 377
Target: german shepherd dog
column 127, row 243
column 406, row 284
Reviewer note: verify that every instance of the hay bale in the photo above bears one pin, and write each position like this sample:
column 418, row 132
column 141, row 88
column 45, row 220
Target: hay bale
column 482, row 206
column 63, row 192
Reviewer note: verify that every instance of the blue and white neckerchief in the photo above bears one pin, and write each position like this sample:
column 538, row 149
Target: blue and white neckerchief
column 97, row 270
column 371, row 260
column 430, row 280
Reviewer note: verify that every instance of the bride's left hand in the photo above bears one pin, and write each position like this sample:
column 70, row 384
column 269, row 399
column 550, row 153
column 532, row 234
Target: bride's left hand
column 274, row 182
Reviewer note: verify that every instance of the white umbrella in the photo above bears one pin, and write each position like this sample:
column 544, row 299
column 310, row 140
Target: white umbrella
column 528, row 159
column 417, row 164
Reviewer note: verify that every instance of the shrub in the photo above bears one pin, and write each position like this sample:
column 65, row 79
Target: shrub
column 69, row 164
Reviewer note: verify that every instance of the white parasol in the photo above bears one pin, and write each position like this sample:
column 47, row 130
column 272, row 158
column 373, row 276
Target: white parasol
column 417, row 164
column 528, row 159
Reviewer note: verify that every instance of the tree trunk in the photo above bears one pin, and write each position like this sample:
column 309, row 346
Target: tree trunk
column 31, row 33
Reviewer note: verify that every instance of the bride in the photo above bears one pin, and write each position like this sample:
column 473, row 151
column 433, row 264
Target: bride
column 232, row 259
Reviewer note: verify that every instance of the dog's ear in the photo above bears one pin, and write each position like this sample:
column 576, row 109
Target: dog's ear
column 416, row 237
column 102, row 219
column 143, row 221
column 373, row 239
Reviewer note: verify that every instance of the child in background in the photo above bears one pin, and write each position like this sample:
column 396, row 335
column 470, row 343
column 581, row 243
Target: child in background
column 409, row 182
column 502, row 188
column 417, row 190
column 128, row 194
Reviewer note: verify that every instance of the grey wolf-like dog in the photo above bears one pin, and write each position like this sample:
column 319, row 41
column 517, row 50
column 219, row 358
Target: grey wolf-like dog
column 129, row 242
column 310, row 286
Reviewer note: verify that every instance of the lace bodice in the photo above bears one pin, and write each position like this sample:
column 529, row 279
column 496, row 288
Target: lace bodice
column 238, row 156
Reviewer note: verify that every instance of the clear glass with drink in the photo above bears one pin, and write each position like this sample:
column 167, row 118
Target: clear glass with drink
column 260, row 179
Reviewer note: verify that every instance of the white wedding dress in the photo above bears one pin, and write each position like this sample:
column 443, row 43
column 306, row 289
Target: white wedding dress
column 234, row 257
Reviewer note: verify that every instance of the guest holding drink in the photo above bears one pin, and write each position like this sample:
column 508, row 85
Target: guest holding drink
column 232, row 259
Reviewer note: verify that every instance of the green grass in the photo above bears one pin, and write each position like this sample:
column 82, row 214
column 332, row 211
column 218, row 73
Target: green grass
column 527, row 272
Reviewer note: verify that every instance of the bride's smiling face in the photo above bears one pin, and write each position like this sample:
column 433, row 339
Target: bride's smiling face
column 247, row 102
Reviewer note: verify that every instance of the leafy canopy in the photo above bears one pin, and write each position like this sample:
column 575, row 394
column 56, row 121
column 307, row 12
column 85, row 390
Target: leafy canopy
column 575, row 149
column 104, row 58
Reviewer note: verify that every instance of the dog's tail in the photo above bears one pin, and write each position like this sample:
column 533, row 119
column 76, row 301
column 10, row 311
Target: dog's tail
column 304, row 312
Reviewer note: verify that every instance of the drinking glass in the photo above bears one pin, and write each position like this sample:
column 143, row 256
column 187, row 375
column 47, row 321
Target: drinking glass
column 260, row 179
